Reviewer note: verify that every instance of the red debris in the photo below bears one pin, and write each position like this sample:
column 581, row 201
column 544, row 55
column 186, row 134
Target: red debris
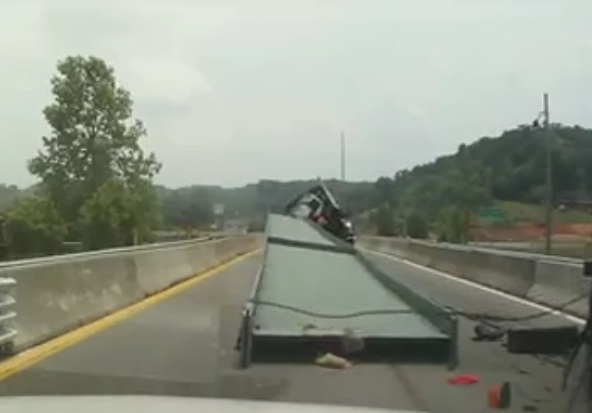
column 463, row 379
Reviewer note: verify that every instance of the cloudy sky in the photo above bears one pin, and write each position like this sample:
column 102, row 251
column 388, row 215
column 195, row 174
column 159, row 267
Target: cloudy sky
column 235, row 91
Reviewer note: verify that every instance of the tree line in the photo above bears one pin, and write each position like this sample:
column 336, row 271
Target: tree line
column 95, row 183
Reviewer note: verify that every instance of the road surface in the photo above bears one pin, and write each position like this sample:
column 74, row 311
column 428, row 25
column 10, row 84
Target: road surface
column 183, row 346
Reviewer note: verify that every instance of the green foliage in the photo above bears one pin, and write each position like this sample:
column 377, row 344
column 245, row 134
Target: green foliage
column 9, row 194
column 512, row 166
column 34, row 226
column 459, row 181
column 119, row 214
column 508, row 168
column 417, row 226
column 384, row 221
column 186, row 208
column 385, row 191
column 453, row 225
column 92, row 158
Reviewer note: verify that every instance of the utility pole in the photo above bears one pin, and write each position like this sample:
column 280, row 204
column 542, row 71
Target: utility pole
column 342, row 156
column 549, row 176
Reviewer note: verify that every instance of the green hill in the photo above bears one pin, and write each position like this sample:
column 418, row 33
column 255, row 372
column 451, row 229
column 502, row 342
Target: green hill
column 510, row 167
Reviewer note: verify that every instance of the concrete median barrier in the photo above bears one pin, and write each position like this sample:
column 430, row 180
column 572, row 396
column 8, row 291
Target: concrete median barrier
column 561, row 284
column 538, row 278
column 511, row 274
column 55, row 297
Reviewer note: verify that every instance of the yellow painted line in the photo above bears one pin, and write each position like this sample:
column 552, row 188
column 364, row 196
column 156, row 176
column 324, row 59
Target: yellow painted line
column 38, row 353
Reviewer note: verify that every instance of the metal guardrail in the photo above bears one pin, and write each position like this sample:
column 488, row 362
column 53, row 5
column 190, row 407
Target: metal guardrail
column 7, row 316
column 110, row 251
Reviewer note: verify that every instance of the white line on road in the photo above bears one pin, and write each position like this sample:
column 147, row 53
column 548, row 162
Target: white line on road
column 480, row 287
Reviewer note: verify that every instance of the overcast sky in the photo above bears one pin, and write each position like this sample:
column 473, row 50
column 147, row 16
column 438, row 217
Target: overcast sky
column 235, row 91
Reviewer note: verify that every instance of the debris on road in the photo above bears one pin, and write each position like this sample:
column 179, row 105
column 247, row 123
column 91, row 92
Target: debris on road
column 463, row 379
column 332, row 361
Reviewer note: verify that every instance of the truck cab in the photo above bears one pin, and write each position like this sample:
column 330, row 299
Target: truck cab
column 318, row 205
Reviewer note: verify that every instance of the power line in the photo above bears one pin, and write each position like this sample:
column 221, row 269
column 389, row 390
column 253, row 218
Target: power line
column 545, row 115
column 549, row 176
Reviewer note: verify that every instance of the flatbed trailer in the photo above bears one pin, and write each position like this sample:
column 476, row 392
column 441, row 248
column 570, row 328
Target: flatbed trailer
column 314, row 291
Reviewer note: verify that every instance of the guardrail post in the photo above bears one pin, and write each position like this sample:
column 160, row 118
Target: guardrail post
column 453, row 356
column 7, row 316
column 245, row 339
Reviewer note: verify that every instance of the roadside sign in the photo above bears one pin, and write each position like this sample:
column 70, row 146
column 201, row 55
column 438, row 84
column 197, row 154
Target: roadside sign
column 219, row 209
column 492, row 213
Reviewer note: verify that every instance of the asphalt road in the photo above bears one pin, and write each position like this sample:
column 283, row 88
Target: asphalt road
column 537, row 380
column 183, row 346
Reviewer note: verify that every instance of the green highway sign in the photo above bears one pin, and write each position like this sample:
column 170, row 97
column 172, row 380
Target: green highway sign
column 492, row 212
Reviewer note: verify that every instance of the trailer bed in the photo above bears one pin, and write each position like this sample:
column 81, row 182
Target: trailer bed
column 294, row 229
column 313, row 290
column 332, row 284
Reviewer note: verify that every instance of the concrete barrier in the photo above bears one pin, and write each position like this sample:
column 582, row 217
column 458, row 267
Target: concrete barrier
column 538, row 278
column 103, row 252
column 55, row 297
column 560, row 283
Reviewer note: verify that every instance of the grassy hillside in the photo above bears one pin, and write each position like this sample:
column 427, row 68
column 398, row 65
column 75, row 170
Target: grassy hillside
column 508, row 168
column 520, row 212
column 535, row 213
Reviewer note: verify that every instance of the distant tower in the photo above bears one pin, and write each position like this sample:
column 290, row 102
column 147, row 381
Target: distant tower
column 342, row 156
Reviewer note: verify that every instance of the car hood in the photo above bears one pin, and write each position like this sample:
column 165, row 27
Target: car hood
column 163, row 404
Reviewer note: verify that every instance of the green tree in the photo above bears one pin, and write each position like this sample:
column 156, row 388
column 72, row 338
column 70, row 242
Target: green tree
column 466, row 185
column 453, row 225
column 8, row 195
column 187, row 208
column 385, row 191
column 34, row 227
column 459, row 181
column 93, row 141
column 119, row 214
column 385, row 223
column 417, row 226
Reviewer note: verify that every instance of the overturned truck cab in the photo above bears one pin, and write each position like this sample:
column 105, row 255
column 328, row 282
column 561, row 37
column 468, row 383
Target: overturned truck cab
column 319, row 205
